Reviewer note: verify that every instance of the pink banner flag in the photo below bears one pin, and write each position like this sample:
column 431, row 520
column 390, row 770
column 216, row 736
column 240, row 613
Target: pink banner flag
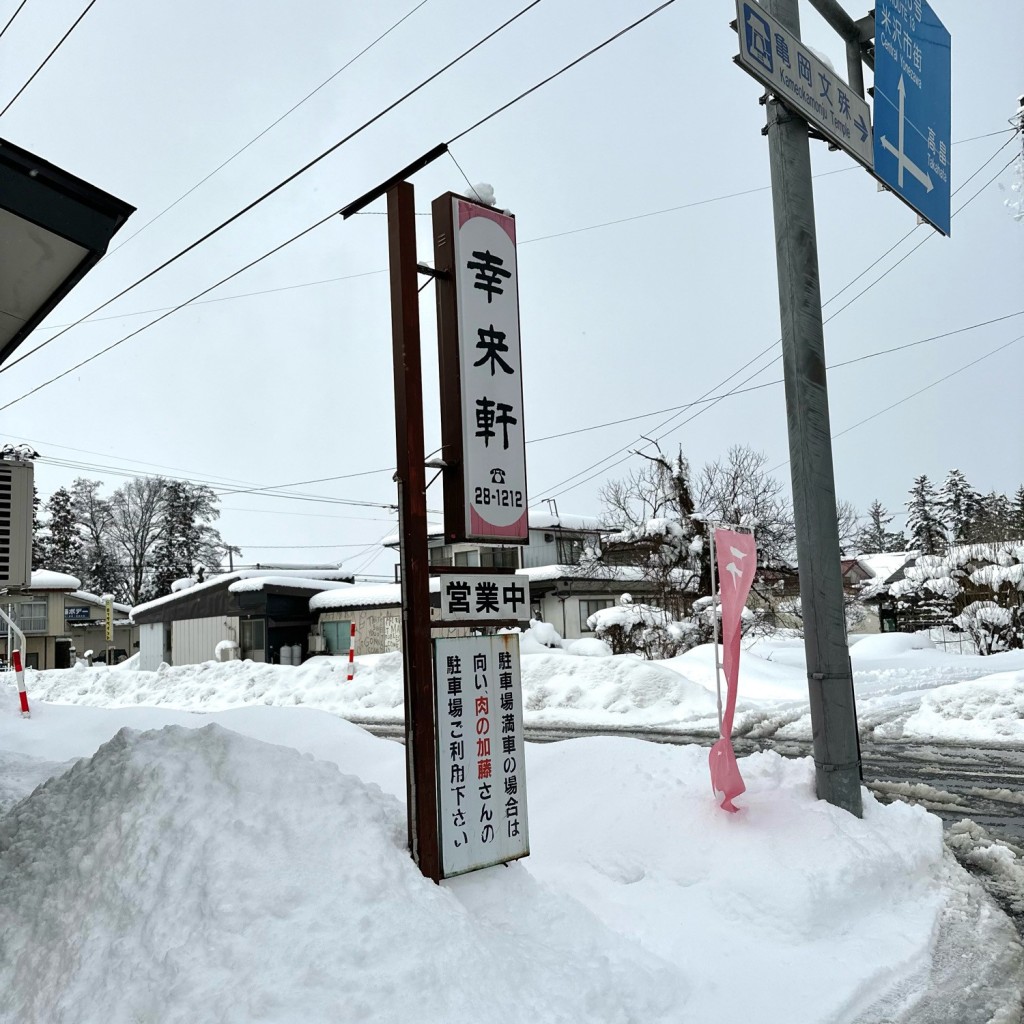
column 737, row 561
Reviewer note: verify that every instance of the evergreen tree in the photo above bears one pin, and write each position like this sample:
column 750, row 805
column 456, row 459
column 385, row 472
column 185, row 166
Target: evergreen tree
column 65, row 545
column 874, row 537
column 923, row 522
column 995, row 521
column 40, row 539
column 187, row 542
column 1017, row 514
column 958, row 507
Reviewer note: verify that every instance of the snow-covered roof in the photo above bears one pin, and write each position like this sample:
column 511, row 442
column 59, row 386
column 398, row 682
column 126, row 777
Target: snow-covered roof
column 883, row 564
column 364, row 595
column 289, row 575
column 537, row 521
column 47, row 579
column 615, row 573
column 250, row 583
column 93, row 599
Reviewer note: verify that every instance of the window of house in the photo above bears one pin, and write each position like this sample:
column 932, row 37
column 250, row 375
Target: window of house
column 505, row 558
column 32, row 617
column 587, row 608
column 569, row 550
column 440, row 555
column 467, row 557
column 337, row 636
column 253, row 639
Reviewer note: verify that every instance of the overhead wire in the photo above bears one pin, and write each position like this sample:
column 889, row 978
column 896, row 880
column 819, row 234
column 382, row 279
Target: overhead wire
column 10, row 20
column 305, row 231
column 455, row 138
column 269, row 127
column 48, row 56
column 526, row 241
column 560, row 488
column 272, row 191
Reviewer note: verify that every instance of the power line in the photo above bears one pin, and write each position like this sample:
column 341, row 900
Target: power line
column 270, row 126
column 280, row 185
column 181, row 305
column 12, row 17
column 266, row 195
column 920, row 391
column 48, row 56
column 601, row 463
column 928, row 387
column 772, row 383
column 525, row 241
column 551, row 78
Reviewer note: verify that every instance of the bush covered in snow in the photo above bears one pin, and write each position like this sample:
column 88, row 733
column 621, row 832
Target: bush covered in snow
column 978, row 588
column 653, row 633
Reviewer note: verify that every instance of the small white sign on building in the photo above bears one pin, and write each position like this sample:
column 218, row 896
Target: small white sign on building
column 474, row 597
column 481, row 772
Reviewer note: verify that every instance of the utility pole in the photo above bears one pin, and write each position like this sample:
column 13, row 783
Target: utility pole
column 836, row 744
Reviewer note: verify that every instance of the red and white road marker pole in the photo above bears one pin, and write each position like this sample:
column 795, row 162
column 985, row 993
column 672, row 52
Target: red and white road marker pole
column 19, row 671
column 352, row 652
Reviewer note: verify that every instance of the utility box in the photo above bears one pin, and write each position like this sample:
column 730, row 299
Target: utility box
column 16, row 493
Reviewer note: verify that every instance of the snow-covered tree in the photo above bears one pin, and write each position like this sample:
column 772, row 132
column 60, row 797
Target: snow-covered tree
column 874, row 536
column 187, row 541
column 994, row 520
column 965, row 586
column 99, row 571
column 660, row 533
column 957, row 505
column 65, row 544
column 739, row 491
column 1017, row 515
column 924, row 523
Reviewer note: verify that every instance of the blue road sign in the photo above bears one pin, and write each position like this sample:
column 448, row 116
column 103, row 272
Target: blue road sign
column 912, row 106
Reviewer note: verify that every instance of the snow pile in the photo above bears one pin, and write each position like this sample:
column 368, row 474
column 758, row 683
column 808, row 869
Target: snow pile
column 621, row 691
column 188, row 875
column 198, row 874
column 986, row 710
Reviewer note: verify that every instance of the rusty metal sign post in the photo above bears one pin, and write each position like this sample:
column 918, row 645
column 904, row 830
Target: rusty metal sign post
column 421, row 765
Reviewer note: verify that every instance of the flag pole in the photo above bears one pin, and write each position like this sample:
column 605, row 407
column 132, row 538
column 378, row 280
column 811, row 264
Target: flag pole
column 714, row 616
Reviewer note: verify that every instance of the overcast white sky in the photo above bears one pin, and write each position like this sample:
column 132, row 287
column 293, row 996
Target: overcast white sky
column 287, row 377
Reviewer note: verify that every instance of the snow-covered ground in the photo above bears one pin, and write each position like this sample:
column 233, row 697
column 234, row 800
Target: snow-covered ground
column 218, row 843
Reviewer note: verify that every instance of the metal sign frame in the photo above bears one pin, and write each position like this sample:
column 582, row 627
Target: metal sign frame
column 480, row 747
column 777, row 58
column 482, row 430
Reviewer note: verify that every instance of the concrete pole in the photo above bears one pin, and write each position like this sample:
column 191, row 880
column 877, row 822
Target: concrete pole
column 829, row 675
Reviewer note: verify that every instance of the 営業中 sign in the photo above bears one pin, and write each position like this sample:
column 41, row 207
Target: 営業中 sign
column 483, row 436
column 479, row 598
column 481, row 776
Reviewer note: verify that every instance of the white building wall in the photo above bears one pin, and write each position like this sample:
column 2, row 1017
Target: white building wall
column 194, row 641
column 151, row 646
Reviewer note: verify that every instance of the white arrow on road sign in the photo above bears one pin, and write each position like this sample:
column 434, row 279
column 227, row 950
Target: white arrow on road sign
column 903, row 161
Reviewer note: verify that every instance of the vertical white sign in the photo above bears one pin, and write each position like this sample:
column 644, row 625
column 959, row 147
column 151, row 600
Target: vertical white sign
column 493, row 434
column 481, row 773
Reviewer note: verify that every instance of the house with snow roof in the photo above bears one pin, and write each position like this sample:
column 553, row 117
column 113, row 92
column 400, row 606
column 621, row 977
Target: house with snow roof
column 263, row 611
column 62, row 622
column 566, row 587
